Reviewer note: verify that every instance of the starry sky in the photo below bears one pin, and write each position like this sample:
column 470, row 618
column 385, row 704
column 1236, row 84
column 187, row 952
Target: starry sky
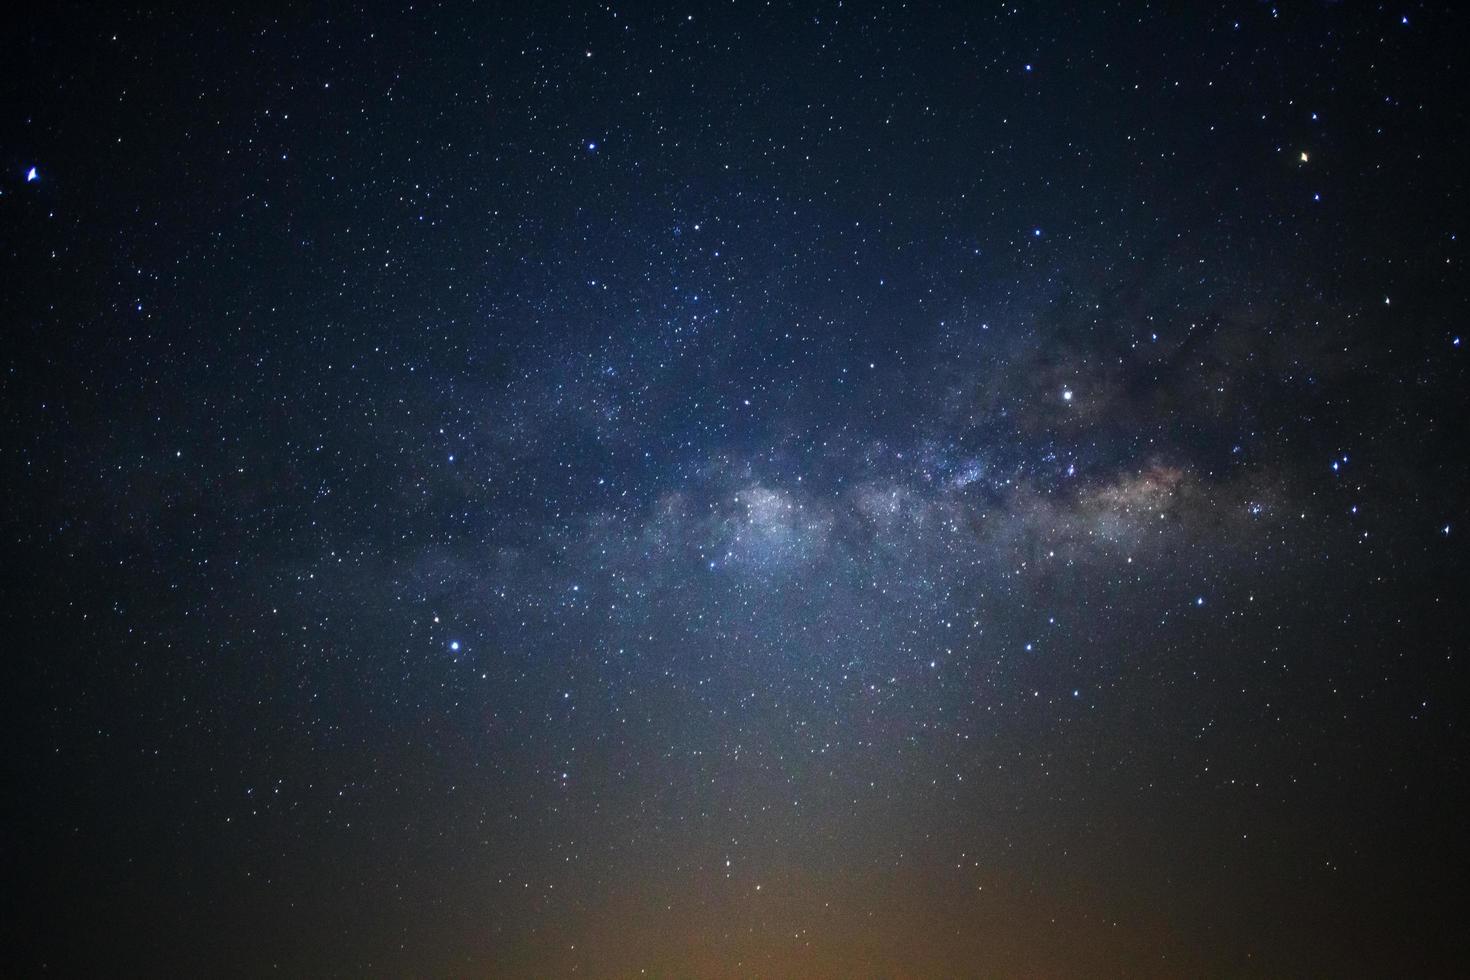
column 734, row 489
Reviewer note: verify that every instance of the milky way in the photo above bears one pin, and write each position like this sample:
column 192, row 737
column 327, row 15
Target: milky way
column 734, row 490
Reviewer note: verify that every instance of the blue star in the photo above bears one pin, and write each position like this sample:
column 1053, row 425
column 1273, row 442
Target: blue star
column 32, row 176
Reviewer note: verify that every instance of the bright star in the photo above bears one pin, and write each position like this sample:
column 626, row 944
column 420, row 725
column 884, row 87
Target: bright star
column 32, row 176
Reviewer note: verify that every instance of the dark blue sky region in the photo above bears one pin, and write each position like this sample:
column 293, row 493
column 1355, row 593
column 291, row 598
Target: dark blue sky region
column 734, row 490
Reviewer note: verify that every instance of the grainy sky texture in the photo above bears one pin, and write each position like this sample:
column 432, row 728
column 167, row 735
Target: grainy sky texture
column 734, row 489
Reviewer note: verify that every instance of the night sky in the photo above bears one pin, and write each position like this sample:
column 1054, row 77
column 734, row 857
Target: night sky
column 735, row 489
